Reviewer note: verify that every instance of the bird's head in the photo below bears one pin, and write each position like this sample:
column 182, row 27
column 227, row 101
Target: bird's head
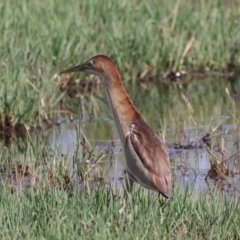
column 100, row 65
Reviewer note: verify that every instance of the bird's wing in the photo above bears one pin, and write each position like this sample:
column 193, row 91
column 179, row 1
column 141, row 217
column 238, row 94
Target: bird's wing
column 152, row 152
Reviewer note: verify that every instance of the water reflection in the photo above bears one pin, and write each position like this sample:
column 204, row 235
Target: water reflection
column 65, row 140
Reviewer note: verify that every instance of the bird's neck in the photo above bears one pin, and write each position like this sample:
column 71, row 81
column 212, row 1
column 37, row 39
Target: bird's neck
column 123, row 110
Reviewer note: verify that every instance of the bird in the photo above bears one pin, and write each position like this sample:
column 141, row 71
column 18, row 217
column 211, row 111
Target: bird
column 147, row 159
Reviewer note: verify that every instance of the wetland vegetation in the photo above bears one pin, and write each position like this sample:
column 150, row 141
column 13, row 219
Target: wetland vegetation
column 61, row 162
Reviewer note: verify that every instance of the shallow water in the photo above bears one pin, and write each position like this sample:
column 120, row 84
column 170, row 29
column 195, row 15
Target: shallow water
column 189, row 166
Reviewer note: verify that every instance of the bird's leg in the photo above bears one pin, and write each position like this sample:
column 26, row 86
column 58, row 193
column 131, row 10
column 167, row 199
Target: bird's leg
column 128, row 185
column 162, row 200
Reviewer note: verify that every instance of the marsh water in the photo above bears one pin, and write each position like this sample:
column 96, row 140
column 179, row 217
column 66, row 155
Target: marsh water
column 200, row 122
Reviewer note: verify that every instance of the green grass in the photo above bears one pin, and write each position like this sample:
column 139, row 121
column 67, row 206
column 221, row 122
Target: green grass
column 52, row 215
column 46, row 36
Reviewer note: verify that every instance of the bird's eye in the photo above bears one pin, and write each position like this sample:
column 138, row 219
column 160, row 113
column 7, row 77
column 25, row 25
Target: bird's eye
column 90, row 63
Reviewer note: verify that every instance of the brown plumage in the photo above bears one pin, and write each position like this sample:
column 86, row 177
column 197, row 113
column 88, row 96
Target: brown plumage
column 146, row 155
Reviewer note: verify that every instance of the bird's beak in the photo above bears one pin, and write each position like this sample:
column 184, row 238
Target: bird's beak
column 78, row 68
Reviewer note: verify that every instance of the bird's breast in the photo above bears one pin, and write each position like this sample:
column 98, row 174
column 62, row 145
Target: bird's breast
column 123, row 110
